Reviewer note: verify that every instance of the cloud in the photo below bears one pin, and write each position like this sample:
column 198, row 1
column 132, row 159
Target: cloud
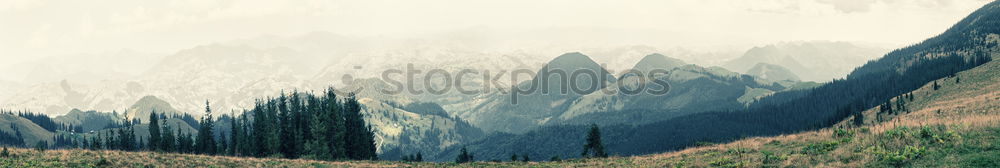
column 44, row 27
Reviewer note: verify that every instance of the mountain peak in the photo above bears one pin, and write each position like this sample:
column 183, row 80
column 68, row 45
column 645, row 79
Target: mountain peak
column 571, row 63
column 657, row 61
column 148, row 104
column 572, row 57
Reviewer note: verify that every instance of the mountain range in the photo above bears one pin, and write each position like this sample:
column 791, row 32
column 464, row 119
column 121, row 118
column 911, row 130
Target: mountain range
column 233, row 74
column 819, row 61
column 967, row 45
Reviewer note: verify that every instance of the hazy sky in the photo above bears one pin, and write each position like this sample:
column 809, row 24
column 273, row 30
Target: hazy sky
column 34, row 28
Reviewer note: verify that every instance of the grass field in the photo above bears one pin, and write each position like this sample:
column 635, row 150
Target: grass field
column 973, row 145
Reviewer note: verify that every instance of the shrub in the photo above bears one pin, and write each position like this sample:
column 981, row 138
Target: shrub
column 770, row 158
column 901, row 157
column 41, row 146
column 738, row 151
column 726, row 162
column 841, row 133
column 102, row 162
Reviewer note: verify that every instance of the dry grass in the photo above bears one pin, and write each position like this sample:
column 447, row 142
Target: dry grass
column 107, row 158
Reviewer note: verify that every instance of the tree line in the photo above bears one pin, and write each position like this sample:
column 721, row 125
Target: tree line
column 296, row 125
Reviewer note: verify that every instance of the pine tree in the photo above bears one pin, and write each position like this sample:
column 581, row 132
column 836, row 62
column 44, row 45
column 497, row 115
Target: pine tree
column 183, row 141
column 271, row 134
column 42, row 146
column 594, row 144
column 168, row 142
column 221, row 147
column 285, row 128
column 319, row 146
column 235, row 134
column 300, row 124
column 109, row 142
column 154, row 132
column 360, row 140
column 141, row 145
column 130, row 141
column 464, row 156
column 258, row 130
column 244, row 147
column 120, row 142
column 96, row 142
column 335, row 115
column 859, row 118
column 205, row 140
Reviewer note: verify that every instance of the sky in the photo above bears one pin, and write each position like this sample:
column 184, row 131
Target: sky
column 32, row 29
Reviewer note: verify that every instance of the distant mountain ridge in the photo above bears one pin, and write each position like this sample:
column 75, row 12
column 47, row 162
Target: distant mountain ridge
column 819, row 61
column 772, row 72
column 692, row 89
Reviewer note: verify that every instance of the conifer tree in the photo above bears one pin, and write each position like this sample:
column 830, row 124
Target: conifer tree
column 859, row 118
column 593, row 147
column 335, row 117
column 183, row 141
column 464, row 156
column 319, row 146
column 221, row 147
column 205, row 140
column 360, row 140
column 244, row 145
column 235, row 134
column 271, row 138
column 5, row 153
column 154, row 132
column 168, row 142
column 285, row 128
column 300, row 124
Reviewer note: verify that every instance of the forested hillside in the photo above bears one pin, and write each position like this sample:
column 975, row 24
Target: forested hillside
column 968, row 44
